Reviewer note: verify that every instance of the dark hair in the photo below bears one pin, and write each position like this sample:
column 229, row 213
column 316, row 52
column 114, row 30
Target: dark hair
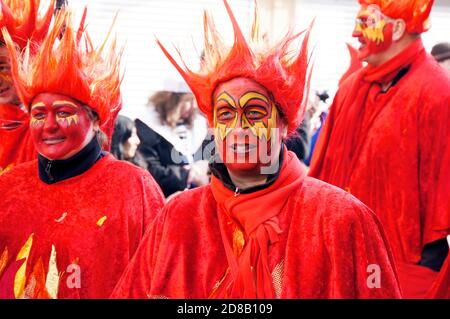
column 60, row 4
column 441, row 51
column 123, row 129
column 165, row 102
column 323, row 96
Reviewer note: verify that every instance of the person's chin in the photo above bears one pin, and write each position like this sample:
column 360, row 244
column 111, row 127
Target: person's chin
column 244, row 168
column 364, row 54
column 54, row 152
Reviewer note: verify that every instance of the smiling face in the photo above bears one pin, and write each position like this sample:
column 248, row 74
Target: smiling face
column 374, row 31
column 8, row 93
column 248, row 125
column 60, row 126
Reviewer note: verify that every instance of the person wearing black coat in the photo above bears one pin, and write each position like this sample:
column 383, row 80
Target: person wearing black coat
column 172, row 135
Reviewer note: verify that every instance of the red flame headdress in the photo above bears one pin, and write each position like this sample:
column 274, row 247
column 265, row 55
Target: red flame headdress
column 281, row 71
column 414, row 12
column 22, row 20
column 67, row 63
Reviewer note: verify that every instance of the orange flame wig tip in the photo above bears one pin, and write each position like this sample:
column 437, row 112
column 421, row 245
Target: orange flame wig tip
column 67, row 63
column 282, row 73
column 24, row 23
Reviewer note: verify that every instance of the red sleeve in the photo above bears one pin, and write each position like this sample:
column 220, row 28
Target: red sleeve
column 362, row 265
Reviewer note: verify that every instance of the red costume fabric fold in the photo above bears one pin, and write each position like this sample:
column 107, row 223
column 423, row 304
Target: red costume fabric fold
column 16, row 145
column 256, row 215
column 441, row 285
column 390, row 149
column 75, row 236
column 327, row 244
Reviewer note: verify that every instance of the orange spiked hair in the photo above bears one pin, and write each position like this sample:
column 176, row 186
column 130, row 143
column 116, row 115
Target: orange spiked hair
column 21, row 19
column 414, row 12
column 282, row 73
column 69, row 65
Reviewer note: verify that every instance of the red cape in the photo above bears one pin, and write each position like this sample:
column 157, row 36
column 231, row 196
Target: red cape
column 399, row 170
column 16, row 145
column 399, row 167
column 95, row 220
column 328, row 242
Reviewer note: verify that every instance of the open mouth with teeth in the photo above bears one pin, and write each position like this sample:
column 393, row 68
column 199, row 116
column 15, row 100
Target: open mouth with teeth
column 242, row 148
column 53, row 140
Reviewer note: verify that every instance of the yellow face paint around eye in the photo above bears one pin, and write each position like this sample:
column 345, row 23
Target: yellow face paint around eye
column 64, row 102
column 373, row 29
column 252, row 96
column 69, row 120
column 224, row 129
column 258, row 128
column 38, row 104
column 375, row 34
column 263, row 130
column 35, row 122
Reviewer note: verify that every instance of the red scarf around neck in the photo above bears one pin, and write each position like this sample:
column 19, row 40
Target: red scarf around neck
column 256, row 214
column 340, row 146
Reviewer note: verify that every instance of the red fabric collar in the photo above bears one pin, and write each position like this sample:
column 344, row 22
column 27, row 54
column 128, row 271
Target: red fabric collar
column 256, row 214
column 385, row 72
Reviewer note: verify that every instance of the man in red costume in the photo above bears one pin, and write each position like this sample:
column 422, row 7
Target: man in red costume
column 23, row 23
column 71, row 220
column 387, row 138
column 261, row 229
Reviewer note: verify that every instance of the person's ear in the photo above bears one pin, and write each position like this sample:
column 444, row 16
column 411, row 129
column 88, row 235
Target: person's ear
column 399, row 29
column 284, row 131
column 96, row 126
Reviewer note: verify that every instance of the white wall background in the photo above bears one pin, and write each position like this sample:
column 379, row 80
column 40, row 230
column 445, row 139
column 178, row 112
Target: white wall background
column 179, row 22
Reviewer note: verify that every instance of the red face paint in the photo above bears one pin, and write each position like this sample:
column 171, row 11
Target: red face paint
column 373, row 31
column 247, row 125
column 8, row 93
column 60, row 126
